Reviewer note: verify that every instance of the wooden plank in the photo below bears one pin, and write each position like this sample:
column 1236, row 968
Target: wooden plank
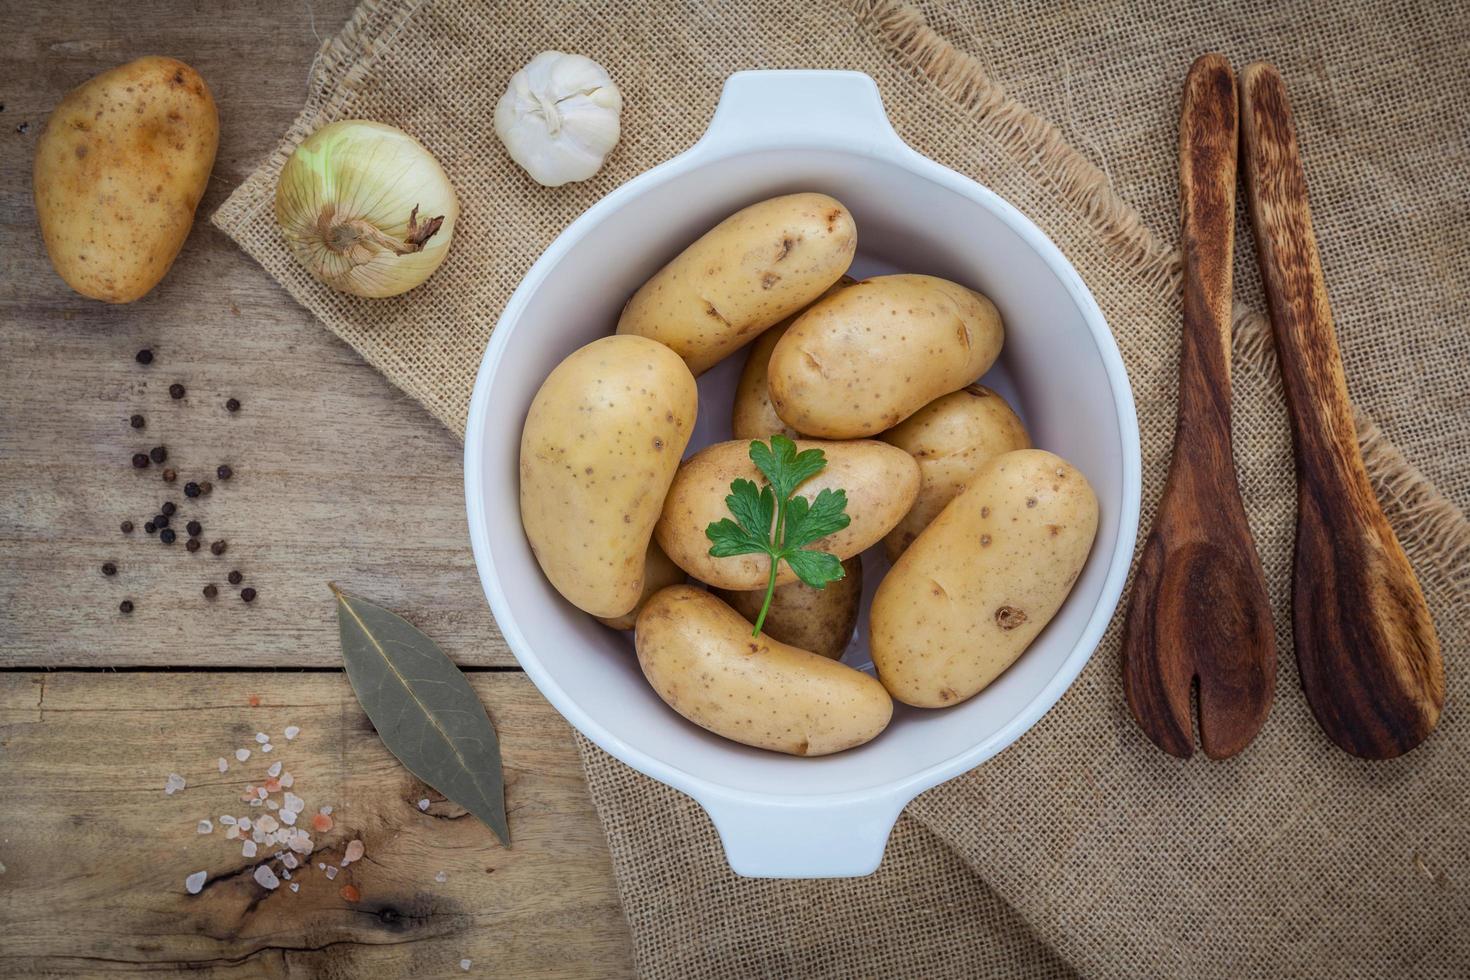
column 95, row 854
column 339, row 476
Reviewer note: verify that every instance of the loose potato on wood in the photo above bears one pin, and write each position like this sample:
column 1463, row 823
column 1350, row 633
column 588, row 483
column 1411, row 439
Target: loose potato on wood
column 977, row 586
column 122, row 165
column 950, row 437
column 881, row 482
column 819, row 620
column 701, row 658
column 864, row 360
column 753, row 416
column 601, row 443
column 748, row 273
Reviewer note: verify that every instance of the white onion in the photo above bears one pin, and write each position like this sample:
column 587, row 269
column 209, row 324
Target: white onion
column 366, row 208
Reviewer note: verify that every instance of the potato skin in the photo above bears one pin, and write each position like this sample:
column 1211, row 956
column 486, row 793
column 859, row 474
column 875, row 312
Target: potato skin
column 950, row 437
column 819, row 620
column 753, row 416
column 977, row 586
column 881, row 482
column 600, row 445
column 864, row 360
column 659, row 572
column 749, row 272
column 122, row 165
column 700, row 657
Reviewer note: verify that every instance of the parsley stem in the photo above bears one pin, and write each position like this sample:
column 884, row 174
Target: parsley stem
column 775, row 564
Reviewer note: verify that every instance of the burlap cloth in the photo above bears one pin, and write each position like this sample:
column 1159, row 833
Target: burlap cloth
column 1082, row 849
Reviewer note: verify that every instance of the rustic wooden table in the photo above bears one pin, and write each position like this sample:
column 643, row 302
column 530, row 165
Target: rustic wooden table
column 338, row 477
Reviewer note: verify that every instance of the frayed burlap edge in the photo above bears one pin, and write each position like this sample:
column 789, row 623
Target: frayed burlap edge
column 1429, row 525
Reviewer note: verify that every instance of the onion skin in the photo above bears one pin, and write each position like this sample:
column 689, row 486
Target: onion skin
column 366, row 208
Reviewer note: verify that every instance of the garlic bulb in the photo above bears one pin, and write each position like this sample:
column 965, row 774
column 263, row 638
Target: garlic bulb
column 366, row 208
column 559, row 117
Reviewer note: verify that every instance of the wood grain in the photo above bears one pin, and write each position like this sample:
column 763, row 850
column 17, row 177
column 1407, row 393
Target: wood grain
column 1369, row 658
column 95, row 854
column 1199, row 611
column 339, row 476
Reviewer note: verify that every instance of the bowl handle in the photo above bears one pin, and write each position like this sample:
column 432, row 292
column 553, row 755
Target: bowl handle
column 786, row 840
column 760, row 108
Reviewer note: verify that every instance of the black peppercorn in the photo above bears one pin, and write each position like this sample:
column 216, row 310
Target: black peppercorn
column 127, row 527
column 233, row 405
column 108, row 568
column 218, row 548
column 140, row 461
column 235, row 577
column 211, row 590
column 158, row 454
column 193, row 527
column 137, row 421
column 192, row 545
column 191, row 489
column 176, row 391
column 248, row 594
column 206, row 488
column 224, row 472
column 126, row 605
column 160, row 520
column 168, row 508
column 169, row 476
column 167, row 535
column 144, row 356
column 150, row 527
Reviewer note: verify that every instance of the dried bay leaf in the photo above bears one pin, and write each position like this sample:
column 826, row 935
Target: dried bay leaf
column 423, row 708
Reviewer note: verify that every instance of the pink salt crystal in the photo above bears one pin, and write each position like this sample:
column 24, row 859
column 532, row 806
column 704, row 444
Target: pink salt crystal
column 262, row 737
column 267, row 823
column 248, row 849
column 224, row 764
column 354, row 852
column 321, row 822
column 204, row 827
column 292, row 731
column 423, row 805
column 242, row 754
column 266, row 878
column 274, row 770
column 331, row 871
column 194, row 884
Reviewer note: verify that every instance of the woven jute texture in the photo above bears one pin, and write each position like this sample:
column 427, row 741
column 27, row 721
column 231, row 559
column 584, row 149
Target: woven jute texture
column 1081, row 849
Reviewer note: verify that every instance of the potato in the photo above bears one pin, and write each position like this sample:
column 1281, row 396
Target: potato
column 881, row 482
column 753, row 416
column 950, row 437
column 977, row 586
column 864, row 360
column 658, row 573
column 819, row 620
column 749, row 272
column 119, row 171
column 601, row 443
column 700, row 657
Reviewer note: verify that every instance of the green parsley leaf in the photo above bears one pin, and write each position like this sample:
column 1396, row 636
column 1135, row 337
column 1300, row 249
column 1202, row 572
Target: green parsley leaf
column 799, row 522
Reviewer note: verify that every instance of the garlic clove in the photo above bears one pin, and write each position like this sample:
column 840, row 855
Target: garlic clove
column 559, row 117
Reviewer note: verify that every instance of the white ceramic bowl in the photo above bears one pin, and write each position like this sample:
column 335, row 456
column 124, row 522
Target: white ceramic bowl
column 775, row 133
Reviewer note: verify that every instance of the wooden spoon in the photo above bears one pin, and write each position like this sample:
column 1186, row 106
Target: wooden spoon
column 1199, row 609
column 1369, row 659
